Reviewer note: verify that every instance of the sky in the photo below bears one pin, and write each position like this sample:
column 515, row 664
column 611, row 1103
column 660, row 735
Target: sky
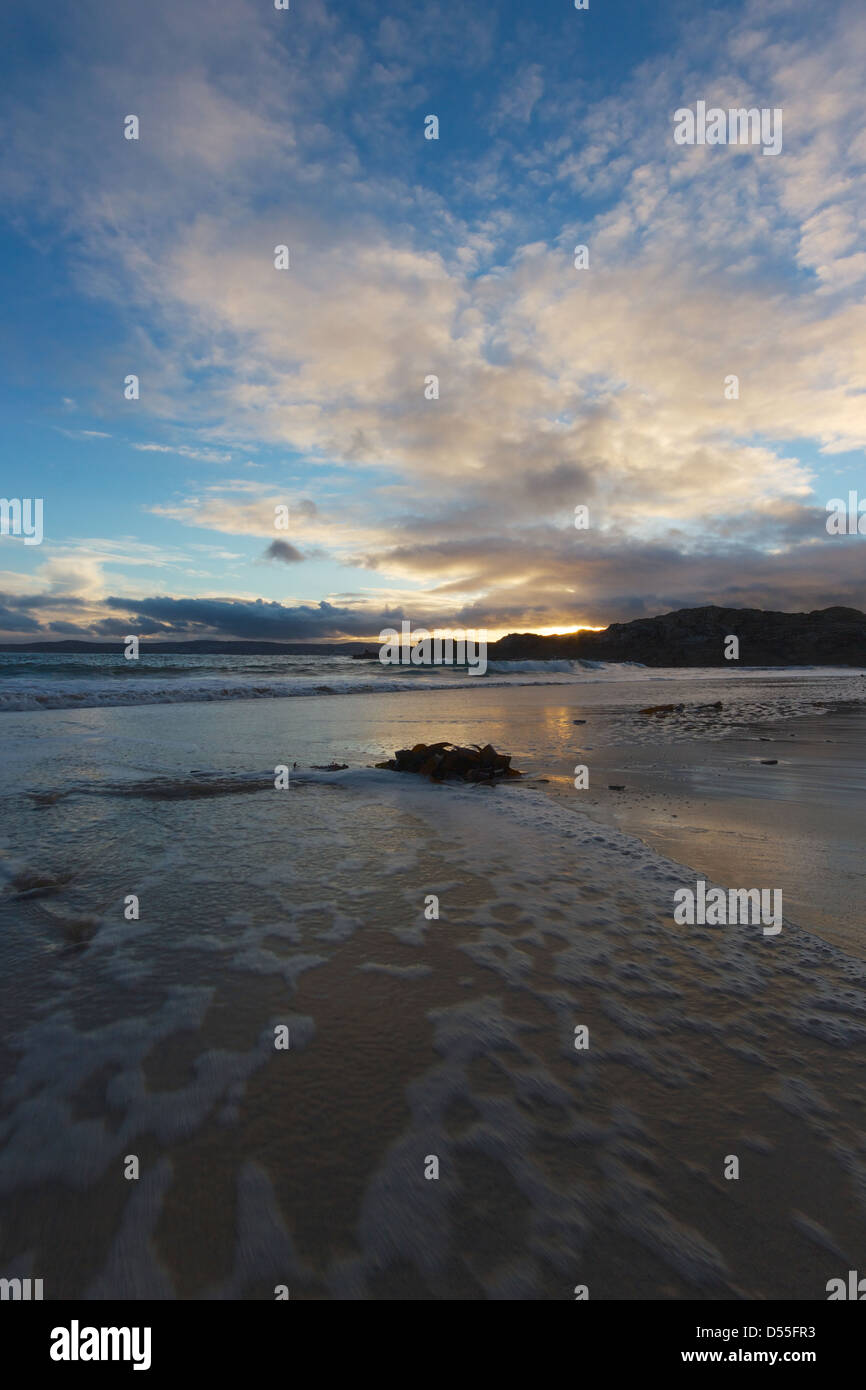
column 304, row 393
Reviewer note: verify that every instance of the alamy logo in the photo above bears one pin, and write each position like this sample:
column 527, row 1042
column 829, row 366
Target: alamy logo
column 856, row 1288
column 441, row 648
column 738, row 126
column 846, row 521
column 22, row 516
column 20, row 1290
column 76, row 1343
column 701, row 907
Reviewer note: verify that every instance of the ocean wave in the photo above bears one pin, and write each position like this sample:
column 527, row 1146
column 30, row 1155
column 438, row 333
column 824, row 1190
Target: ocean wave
column 102, row 688
column 93, row 695
column 566, row 666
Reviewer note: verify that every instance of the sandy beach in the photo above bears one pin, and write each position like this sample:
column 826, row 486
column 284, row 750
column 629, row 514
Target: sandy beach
column 452, row 1037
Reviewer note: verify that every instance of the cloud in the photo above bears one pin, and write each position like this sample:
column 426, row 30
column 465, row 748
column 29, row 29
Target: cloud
column 557, row 387
column 256, row 619
column 520, row 97
column 563, row 578
column 282, row 550
column 185, row 451
column 82, row 434
column 75, row 573
column 38, row 601
column 16, row 622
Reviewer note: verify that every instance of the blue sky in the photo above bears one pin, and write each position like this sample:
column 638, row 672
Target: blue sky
column 409, row 257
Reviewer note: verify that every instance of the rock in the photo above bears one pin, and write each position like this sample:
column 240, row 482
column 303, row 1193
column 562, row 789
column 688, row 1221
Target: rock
column 448, row 761
column 613, row 787
column 329, row 767
column 663, row 709
column 578, row 721
column 769, row 762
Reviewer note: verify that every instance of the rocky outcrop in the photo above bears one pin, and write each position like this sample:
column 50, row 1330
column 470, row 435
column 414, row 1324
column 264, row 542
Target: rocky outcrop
column 696, row 637
column 442, row 761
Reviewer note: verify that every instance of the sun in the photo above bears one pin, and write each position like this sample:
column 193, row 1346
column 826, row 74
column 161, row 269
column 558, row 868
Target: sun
column 545, row 631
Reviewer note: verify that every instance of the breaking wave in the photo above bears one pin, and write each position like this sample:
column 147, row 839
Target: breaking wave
column 107, row 687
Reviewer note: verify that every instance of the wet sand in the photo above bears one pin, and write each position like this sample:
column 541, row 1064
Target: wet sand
column 797, row 822
column 414, row 1037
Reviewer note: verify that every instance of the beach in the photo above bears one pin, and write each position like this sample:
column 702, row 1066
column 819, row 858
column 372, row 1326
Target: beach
column 435, row 952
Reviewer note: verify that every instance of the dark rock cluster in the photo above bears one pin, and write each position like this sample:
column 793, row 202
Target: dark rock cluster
column 447, row 760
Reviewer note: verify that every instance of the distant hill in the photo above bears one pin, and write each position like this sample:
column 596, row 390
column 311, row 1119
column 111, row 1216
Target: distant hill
column 696, row 637
column 217, row 646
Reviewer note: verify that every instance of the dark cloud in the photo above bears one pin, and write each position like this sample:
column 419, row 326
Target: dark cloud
column 27, row 601
column 70, row 629
column 255, row 619
column 141, row 626
column 282, row 550
column 17, row 622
